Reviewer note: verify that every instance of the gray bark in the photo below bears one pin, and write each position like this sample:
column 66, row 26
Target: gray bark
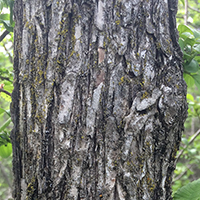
column 99, row 99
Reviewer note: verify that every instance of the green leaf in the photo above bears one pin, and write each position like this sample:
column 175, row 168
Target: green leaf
column 184, row 141
column 189, row 172
column 192, row 67
column 187, row 57
column 190, row 41
column 7, row 26
column 181, row 43
column 4, row 111
column 5, row 125
column 196, row 33
column 188, row 79
column 190, row 191
column 198, row 100
column 183, row 2
column 2, row 4
column 197, row 58
column 4, row 17
column 197, row 48
column 4, row 138
column 192, row 151
column 7, row 21
column 197, row 157
column 197, row 80
column 183, row 28
column 11, row 4
column 187, row 35
column 6, row 97
column 190, row 97
column 5, row 150
column 8, row 88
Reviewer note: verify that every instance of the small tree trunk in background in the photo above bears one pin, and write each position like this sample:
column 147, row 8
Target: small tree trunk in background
column 99, row 99
column 186, row 12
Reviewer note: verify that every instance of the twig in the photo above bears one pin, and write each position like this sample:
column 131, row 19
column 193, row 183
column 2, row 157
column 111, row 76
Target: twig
column 10, row 57
column 2, row 90
column 179, row 16
column 192, row 25
column 182, row 174
column 5, row 78
column 186, row 12
column 197, row 10
column 4, row 35
column 190, row 142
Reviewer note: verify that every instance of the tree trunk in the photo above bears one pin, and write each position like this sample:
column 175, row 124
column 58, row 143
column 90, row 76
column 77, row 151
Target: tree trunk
column 99, row 99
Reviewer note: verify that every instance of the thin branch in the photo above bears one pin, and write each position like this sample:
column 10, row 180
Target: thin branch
column 193, row 25
column 190, row 142
column 2, row 90
column 182, row 174
column 197, row 10
column 4, row 35
column 179, row 16
column 5, row 78
column 10, row 57
column 186, row 12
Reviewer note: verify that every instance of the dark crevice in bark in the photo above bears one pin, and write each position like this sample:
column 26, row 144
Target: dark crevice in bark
column 48, row 18
column 25, row 131
column 90, row 25
column 14, row 108
column 158, row 193
column 35, row 194
column 62, row 187
column 69, row 46
column 80, row 98
column 39, row 21
column 32, row 189
column 57, row 94
column 172, row 9
column 94, row 160
column 159, row 57
column 47, row 148
column 113, row 8
column 112, row 102
column 33, row 105
column 116, row 195
column 73, row 142
column 88, row 81
column 131, row 74
column 43, row 155
column 124, row 63
column 102, row 127
column 140, row 29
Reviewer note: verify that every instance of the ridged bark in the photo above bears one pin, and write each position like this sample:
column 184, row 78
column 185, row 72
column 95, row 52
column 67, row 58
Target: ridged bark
column 99, row 99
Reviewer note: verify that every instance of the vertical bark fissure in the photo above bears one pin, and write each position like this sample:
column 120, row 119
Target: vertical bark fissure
column 14, row 108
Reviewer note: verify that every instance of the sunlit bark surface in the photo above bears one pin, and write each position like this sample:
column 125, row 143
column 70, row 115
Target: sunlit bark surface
column 99, row 99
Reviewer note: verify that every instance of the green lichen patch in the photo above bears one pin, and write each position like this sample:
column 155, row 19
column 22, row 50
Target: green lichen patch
column 31, row 188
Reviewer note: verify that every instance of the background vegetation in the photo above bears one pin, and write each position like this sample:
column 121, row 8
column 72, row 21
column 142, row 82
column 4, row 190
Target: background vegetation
column 188, row 163
column 6, row 85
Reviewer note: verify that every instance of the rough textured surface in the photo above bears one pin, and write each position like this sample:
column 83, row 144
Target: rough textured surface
column 99, row 99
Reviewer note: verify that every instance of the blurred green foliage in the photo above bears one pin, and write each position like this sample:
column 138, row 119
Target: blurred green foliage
column 189, row 192
column 6, row 80
column 188, row 164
